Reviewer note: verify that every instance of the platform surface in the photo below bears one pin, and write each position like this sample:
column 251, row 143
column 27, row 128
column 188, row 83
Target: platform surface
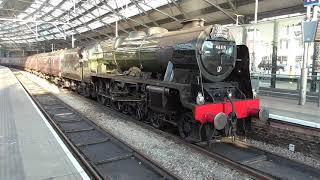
column 289, row 110
column 29, row 149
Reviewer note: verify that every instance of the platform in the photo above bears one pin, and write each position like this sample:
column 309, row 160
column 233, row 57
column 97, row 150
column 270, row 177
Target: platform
column 30, row 148
column 288, row 110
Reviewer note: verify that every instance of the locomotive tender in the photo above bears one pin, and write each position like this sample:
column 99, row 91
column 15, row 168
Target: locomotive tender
column 195, row 78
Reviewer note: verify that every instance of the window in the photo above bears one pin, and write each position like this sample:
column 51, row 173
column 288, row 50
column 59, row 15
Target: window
column 298, row 59
column 283, row 60
column 284, row 44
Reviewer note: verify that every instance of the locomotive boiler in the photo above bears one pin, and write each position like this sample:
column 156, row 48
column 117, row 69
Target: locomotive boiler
column 210, row 50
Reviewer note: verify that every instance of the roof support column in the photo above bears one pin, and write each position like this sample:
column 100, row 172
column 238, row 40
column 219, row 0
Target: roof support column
column 116, row 29
column 304, row 75
column 244, row 35
column 253, row 63
column 309, row 27
column 316, row 57
column 72, row 41
column 274, row 54
column 256, row 12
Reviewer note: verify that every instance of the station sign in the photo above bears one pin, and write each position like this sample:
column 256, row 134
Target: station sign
column 311, row 2
column 309, row 30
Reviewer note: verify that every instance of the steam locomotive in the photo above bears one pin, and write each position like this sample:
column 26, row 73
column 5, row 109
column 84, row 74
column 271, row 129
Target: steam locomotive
column 196, row 78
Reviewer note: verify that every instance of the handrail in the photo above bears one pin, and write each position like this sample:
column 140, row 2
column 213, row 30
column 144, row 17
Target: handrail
column 319, row 94
column 281, row 75
column 262, row 77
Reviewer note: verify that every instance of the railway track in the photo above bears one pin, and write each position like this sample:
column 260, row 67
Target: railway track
column 280, row 133
column 275, row 166
column 295, row 127
column 238, row 155
column 257, row 163
column 101, row 154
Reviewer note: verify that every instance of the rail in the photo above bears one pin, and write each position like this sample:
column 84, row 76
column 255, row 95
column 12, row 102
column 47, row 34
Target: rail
column 102, row 155
column 249, row 165
column 276, row 166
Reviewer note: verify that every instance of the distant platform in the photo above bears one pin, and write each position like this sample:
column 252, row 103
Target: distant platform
column 288, row 110
column 30, row 148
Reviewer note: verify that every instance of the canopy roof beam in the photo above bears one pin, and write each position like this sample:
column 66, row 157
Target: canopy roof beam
column 220, row 9
column 146, row 13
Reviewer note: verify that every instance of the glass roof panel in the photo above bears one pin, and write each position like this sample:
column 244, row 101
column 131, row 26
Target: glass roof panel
column 46, row 26
column 57, row 12
column 78, row 11
column 104, row 7
column 148, row 4
column 100, row 11
column 22, row 15
column 19, row 41
column 110, row 19
column 75, row 23
column 28, row 36
column 30, row 10
column 82, row 29
column 66, row 5
column 70, row 32
column 55, row 30
column 87, row 18
column 40, row 38
column 65, row 26
column 45, row 33
column 39, row 1
column 95, row 25
column 116, row 4
column 47, row 9
column 79, row 19
column 129, row 11
column 55, row 2
column 35, row 5
column 87, row 4
column 47, row 18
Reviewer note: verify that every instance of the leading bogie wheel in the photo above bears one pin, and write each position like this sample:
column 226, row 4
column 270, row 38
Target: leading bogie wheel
column 100, row 89
column 156, row 120
column 185, row 125
column 101, row 99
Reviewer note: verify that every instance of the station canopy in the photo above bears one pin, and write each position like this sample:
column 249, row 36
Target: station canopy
column 45, row 24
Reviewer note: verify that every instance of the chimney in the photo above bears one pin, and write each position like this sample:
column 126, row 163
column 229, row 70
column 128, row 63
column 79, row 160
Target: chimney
column 191, row 23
